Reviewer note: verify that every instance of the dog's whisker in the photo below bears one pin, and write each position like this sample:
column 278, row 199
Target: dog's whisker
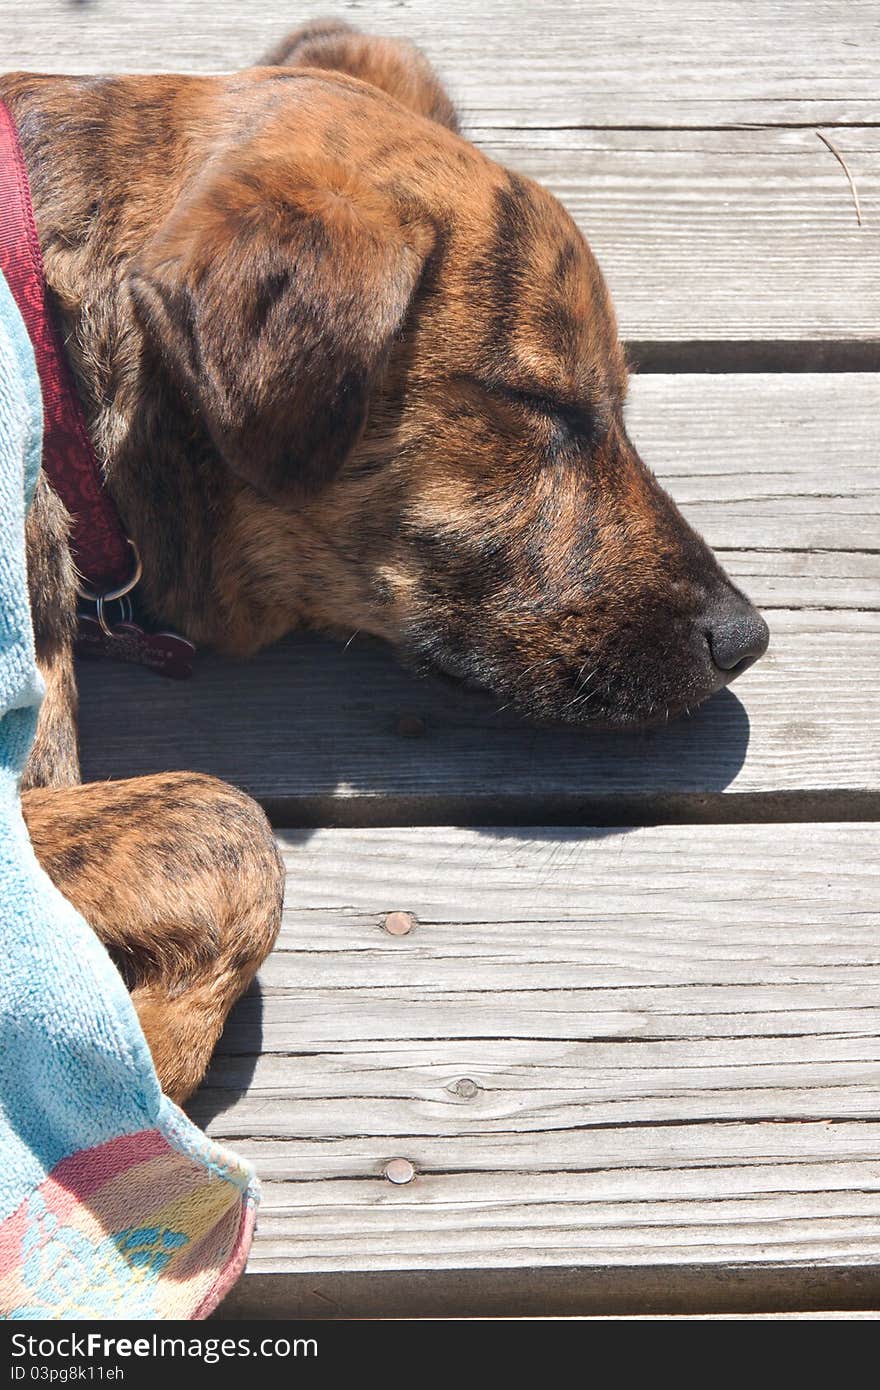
column 582, row 670
column 581, row 700
column 582, row 684
column 547, row 661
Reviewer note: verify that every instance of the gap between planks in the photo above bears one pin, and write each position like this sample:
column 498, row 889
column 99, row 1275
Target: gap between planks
column 563, row 1292
column 751, row 356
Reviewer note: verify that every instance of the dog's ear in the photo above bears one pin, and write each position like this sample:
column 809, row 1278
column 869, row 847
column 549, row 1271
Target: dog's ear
column 274, row 295
column 394, row 65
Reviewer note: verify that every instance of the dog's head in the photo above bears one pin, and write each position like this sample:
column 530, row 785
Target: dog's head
column 408, row 357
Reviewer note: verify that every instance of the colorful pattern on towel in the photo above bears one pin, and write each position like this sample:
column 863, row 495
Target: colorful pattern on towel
column 108, row 1222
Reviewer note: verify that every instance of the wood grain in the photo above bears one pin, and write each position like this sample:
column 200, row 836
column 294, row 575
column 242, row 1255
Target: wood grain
column 726, row 236
column 314, row 731
column 624, row 63
column 599, row 1049
column 721, row 235
column 769, row 463
column 779, row 472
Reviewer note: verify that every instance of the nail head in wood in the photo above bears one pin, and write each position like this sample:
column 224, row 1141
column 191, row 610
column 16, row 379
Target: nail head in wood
column 399, row 923
column 399, row 1170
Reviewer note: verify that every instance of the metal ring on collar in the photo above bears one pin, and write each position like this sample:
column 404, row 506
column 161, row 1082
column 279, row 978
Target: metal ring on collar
column 110, row 595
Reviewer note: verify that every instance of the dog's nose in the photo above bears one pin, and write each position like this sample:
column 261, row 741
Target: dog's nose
column 736, row 633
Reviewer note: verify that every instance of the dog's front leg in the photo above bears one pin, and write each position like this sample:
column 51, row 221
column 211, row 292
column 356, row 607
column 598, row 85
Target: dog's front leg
column 179, row 876
column 54, row 758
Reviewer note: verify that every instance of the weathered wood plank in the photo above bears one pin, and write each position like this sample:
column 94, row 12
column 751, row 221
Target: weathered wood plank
column 776, row 463
column 721, row 236
column 748, row 237
column 314, row 731
column 562, row 1219
column 626, row 63
column 786, row 466
column 595, row 1049
column 797, row 1147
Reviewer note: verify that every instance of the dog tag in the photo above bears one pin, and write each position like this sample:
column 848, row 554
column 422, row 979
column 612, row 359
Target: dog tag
column 165, row 652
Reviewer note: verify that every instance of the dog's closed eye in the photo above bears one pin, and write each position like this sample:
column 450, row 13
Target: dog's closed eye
column 580, row 421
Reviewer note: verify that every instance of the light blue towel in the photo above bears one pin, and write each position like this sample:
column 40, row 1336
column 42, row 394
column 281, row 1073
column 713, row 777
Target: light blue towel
column 111, row 1203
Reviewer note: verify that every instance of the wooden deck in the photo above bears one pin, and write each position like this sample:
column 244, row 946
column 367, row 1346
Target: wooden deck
column 631, row 1045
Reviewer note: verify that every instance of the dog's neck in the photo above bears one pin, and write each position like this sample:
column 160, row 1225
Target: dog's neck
column 218, row 564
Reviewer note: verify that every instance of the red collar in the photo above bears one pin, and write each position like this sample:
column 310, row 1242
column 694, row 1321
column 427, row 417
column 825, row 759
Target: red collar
column 106, row 559
column 100, row 547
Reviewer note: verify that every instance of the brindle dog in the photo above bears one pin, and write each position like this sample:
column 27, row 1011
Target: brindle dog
column 343, row 371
